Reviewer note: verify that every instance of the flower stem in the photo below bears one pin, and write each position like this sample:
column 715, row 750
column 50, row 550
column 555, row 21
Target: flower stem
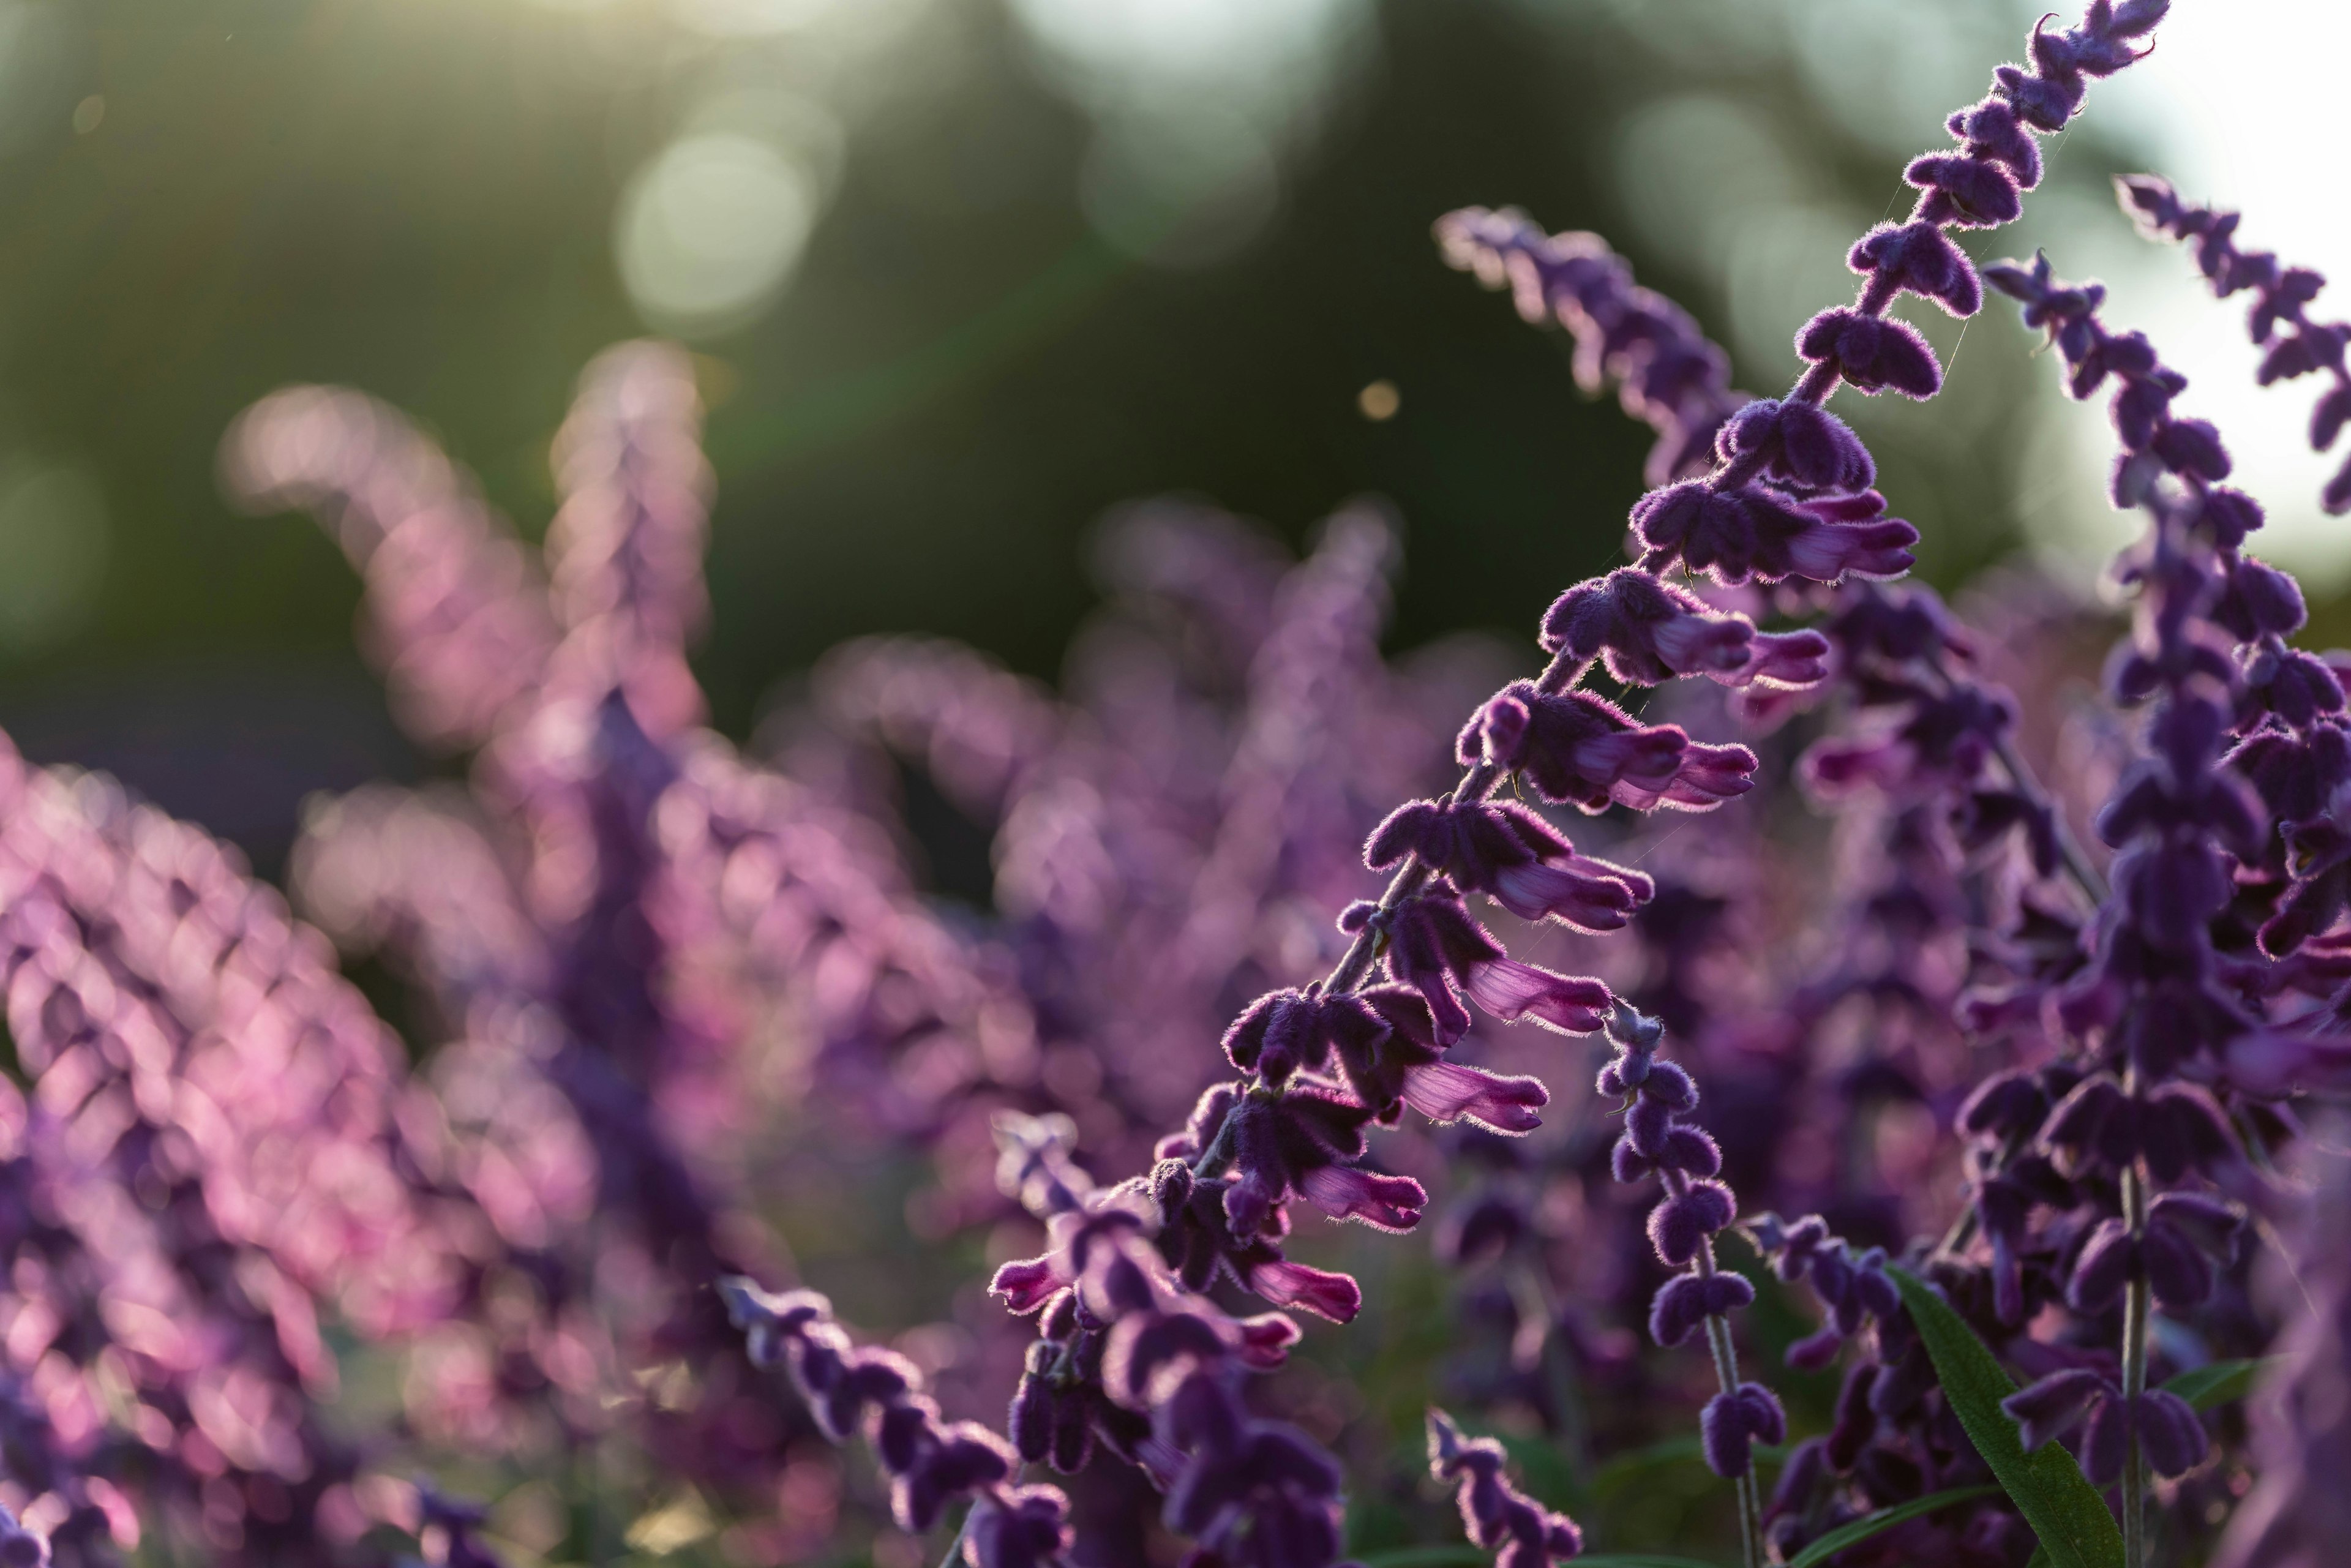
column 1726, row 1372
column 2136, row 1312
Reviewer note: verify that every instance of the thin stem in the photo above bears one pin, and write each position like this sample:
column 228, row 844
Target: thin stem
column 955, row 1547
column 2069, row 849
column 1726, row 1372
column 2135, row 1312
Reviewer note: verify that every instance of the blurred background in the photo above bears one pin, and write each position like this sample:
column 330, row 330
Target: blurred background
column 961, row 274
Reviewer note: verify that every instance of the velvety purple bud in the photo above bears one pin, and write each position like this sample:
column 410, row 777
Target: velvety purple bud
column 1452, row 1091
column 1690, row 1151
column 1871, row 353
column 2106, row 1264
column 2105, row 1442
column 2044, row 102
column 1991, row 130
column 2335, row 499
column 869, row 1377
column 1276, row 1035
column 1731, row 1422
column 2192, row 446
column 1382, row 1202
column 1023, row 1527
column 2230, row 515
column 1433, row 943
column 1816, row 1350
column 1681, row 1224
column 1686, row 1301
column 1171, row 1188
column 1900, row 1384
column 1627, row 1163
column 2004, row 1106
column 1648, row 1124
column 1648, row 630
column 1357, row 914
column 2051, row 1407
column 1288, row 1284
column 2181, row 1128
column 1920, row 257
column 2178, row 1274
column 2311, row 349
column 1853, row 1423
column 1971, row 192
column 1259, row 1174
column 1496, row 732
column 1801, row 443
column 967, row 1458
column 1668, row 1084
column 2172, row 890
column 2171, row 1434
column 1799, row 1477
column 1030, row 1421
column 1511, row 990
column 1876, row 1293
column 1790, row 1248
column 2328, row 417
column 2293, row 685
column 2272, row 600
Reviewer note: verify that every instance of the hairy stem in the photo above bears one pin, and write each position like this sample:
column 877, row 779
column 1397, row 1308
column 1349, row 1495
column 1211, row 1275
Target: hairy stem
column 1726, row 1372
column 2136, row 1312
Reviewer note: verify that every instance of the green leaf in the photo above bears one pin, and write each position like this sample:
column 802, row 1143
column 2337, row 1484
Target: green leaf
column 2040, row 1558
column 1861, row 1529
column 2220, row 1382
column 1466, row 1556
column 2047, row 1487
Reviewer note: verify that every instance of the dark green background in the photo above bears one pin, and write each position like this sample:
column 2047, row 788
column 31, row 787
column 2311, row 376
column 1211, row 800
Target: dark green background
column 415, row 197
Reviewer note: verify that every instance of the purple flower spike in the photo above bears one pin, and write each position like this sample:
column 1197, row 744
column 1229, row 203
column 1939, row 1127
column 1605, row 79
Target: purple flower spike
column 1496, row 1514
column 2278, row 318
column 1733, row 1421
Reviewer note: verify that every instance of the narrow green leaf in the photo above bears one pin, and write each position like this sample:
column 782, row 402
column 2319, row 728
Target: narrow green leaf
column 2047, row 1487
column 1861, row 1529
column 2220, row 1382
column 2040, row 1558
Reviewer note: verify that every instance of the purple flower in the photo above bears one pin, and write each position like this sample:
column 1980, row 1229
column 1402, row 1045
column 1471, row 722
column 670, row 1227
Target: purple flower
column 1583, row 750
column 1737, row 1418
column 1510, row 854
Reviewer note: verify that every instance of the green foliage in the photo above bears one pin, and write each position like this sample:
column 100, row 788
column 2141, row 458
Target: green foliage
column 2220, row 1382
column 1861, row 1529
column 2047, row 1487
